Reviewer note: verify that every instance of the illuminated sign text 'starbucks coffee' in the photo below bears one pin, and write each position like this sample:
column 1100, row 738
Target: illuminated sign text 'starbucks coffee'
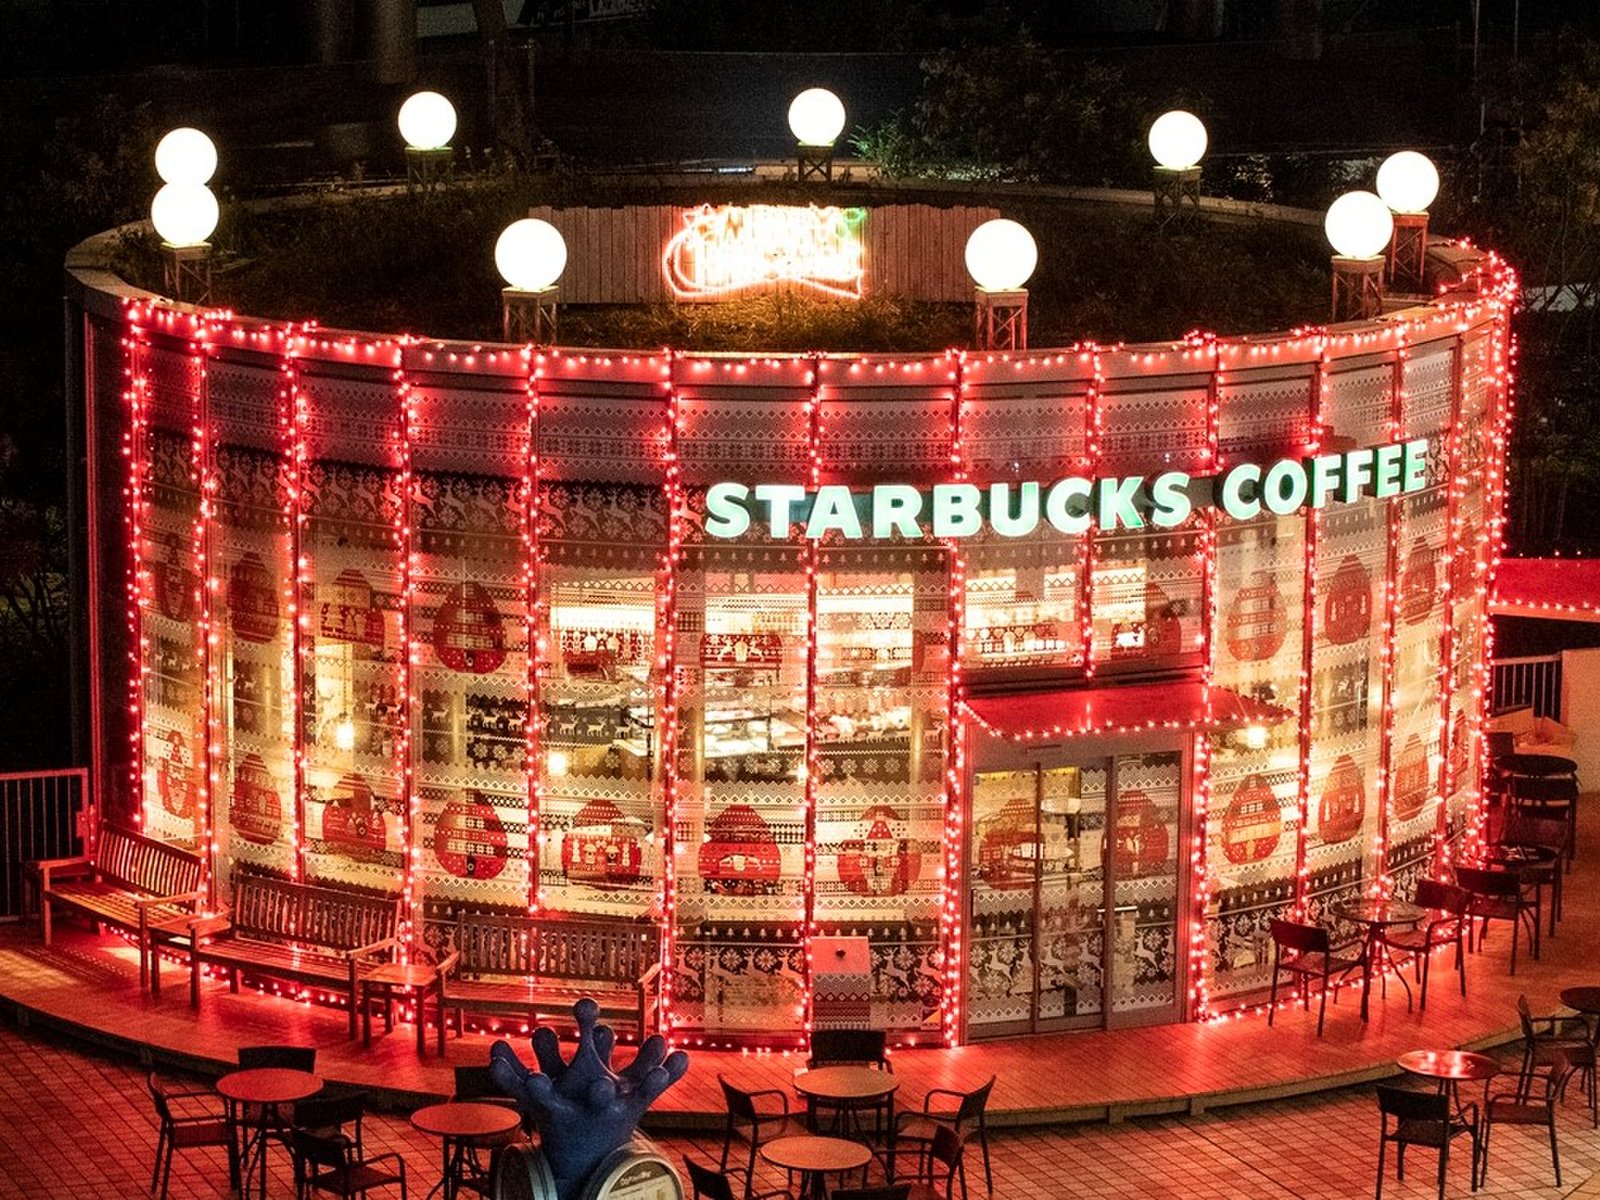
column 1070, row 505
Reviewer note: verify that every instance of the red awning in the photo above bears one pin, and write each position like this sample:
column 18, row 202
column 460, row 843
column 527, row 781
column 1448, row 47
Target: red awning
column 1117, row 708
column 1561, row 589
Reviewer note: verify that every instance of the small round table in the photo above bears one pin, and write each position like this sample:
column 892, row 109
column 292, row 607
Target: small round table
column 418, row 979
column 815, row 1157
column 1378, row 915
column 461, row 1124
column 1450, row 1069
column 847, row 1089
column 1537, row 765
column 1582, row 999
column 267, row 1088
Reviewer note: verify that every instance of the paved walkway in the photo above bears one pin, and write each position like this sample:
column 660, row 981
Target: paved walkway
column 74, row 1123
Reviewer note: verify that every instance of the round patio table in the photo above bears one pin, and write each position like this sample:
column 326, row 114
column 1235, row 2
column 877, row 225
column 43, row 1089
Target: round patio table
column 1540, row 765
column 814, row 1158
column 1582, row 999
column 1450, row 1069
column 848, row 1089
column 1378, row 915
column 267, row 1088
column 461, row 1124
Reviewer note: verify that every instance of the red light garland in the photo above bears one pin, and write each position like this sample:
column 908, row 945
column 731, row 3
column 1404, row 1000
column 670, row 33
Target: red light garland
column 1496, row 284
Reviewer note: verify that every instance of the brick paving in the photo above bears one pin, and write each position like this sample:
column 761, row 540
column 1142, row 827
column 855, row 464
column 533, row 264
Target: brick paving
column 76, row 1123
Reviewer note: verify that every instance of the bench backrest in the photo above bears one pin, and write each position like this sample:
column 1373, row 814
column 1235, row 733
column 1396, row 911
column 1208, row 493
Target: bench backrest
column 144, row 865
column 276, row 910
column 554, row 948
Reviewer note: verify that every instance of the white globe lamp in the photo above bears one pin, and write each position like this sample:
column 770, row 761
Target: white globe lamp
column 1001, row 255
column 184, row 214
column 816, row 117
column 530, row 255
column 1408, row 182
column 1177, row 140
column 427, row 121
column 1359, row 225
column 186, row 156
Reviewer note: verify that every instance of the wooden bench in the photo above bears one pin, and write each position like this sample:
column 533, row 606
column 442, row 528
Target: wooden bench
column 282, row 930
column 131, row 883
column 538, row 968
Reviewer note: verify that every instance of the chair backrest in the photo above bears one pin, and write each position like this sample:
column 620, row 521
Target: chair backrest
column 1525, row 829
column 739, row 1103
column 1501, row 744
column 974, row 1103
column 946, row 1150
column 708, row 1184
column 158, row 1093
column 1406, row 1105
column 1544, row 789
column 893, row 1191
column 1441, row 896
column 317, row 1152
column 325, row 1114
column 1304, row 939
column 1525, row 1015
column 848, row 1046
column 1493, row 884
column 476, row 1083
column 291, row 1058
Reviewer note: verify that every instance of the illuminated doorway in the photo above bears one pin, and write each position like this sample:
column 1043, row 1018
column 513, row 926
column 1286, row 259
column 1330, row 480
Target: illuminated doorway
column 1074, row 916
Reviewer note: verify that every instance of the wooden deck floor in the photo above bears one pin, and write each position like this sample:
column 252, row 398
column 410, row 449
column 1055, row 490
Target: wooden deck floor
column 89, row 985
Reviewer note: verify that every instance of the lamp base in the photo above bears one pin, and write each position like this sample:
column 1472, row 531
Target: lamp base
column 1408, row 250
column 427, row 170
column 814, row 162
column 529, row 316
column 186, row 272
column 1000, row 319
column 1176, row 192
column 1358, row 287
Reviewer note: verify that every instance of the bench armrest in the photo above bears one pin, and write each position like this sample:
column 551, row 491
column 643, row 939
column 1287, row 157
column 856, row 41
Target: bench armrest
column 175, row 898
column 449, row 963
column 364, row 952
column 210, row 926
column 651, row 975
column 45, row 867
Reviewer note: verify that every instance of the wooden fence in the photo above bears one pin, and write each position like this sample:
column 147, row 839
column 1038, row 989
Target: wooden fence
column 616, row 255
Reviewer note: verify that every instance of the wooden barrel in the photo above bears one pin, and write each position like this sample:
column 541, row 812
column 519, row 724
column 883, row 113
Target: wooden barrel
column 637, row 1171
column 523, row 1174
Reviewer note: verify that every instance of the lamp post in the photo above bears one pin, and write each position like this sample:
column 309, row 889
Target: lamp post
column 427, row 123
column 184, row 213
column 1359, row 227
column 1177, row 143
column 1000, row 255
column 530, row 256
column 1408, row 183
column 816, row 118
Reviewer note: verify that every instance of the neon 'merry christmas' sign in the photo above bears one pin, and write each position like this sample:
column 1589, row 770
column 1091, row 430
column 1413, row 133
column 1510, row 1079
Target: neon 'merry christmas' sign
column 729, row 248
column 1072, row 505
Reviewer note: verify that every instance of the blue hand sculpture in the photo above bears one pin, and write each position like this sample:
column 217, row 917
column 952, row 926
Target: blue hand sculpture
column 583, row 1109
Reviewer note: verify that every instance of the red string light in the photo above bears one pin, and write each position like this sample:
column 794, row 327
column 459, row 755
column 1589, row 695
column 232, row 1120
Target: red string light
column 1495, row 289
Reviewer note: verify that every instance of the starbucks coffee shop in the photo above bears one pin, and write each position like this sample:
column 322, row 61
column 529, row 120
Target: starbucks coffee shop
column 960, row 694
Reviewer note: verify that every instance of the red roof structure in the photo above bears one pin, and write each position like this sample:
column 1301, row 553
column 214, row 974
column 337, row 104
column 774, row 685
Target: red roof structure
column 1559, row 589
column 1109, row 708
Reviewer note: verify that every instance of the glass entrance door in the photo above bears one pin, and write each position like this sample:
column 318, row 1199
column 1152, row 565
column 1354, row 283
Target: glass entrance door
column 1073, row 886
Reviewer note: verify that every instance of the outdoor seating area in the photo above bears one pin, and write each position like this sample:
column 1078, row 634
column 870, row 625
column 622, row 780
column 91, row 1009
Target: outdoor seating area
column 1431, row 1112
